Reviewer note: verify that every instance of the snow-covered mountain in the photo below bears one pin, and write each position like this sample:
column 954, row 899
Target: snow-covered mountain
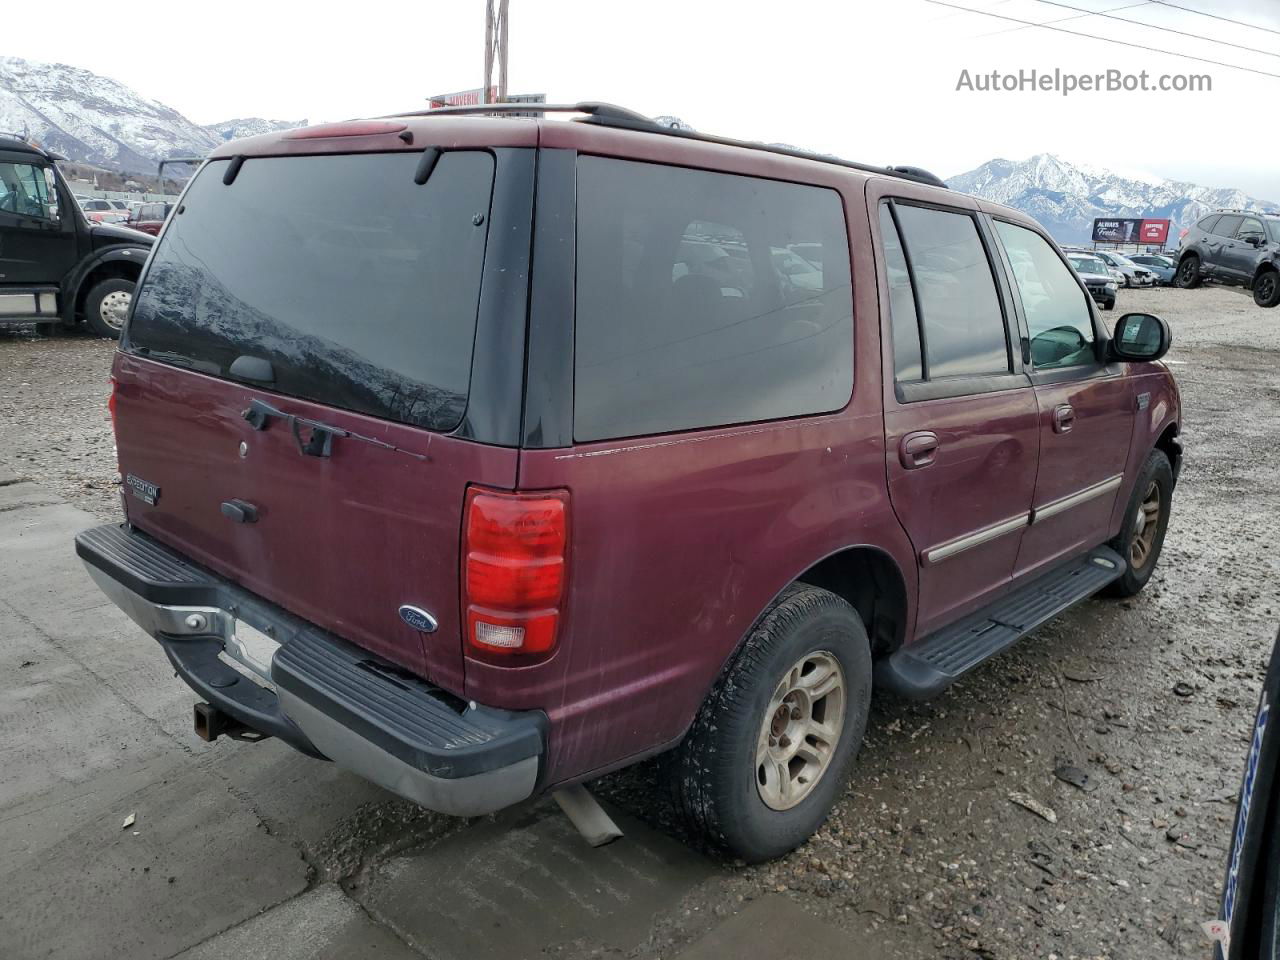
column 96, row 120
column 249, row 127
column 1066, row 197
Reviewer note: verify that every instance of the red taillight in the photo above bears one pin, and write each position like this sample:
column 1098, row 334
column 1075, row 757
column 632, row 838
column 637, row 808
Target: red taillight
column 513, row 576
column 111, row 404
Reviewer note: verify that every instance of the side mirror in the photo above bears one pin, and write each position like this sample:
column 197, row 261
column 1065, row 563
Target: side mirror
column 1253, row 240
column 1140, row 336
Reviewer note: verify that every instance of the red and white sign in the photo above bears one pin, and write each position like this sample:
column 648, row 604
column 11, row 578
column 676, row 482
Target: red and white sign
column 1154, row 231
column 463, row 98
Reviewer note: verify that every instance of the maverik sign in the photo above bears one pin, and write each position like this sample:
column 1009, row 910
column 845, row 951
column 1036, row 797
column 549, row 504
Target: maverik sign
column 1130, row 231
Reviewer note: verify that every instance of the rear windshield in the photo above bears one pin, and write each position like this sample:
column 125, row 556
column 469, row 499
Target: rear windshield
column 357, row 285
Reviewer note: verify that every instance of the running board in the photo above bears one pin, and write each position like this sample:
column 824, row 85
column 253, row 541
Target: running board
column 924, row 669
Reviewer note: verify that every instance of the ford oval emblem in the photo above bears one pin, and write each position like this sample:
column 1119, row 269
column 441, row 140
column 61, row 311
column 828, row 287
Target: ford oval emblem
column 418, row 618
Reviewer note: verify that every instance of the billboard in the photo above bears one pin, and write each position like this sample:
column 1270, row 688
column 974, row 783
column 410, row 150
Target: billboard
column 1112, row 230
column 473, row 98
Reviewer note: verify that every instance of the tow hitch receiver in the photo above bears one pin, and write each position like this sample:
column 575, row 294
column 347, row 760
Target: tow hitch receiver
column 211, row 723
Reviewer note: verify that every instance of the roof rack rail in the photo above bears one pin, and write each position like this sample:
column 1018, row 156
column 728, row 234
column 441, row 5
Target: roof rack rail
column 611, row 115
column 605, row 111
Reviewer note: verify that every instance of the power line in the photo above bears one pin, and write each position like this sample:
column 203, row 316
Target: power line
column 1130, row 6
column 1093, row 36
column 1202, row 13
column 1153, row 26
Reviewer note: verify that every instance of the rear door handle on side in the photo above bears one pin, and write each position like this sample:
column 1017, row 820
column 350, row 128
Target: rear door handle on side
column 918, row 449
column 1064, row 415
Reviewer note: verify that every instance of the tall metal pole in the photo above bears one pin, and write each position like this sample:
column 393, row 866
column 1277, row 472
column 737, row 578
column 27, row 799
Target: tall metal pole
column 495, row 49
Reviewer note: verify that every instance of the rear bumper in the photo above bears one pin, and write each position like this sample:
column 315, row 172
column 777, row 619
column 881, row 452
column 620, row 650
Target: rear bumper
column 322, row 695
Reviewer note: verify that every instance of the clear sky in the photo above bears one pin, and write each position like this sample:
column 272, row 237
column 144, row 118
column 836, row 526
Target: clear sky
column 869, row 81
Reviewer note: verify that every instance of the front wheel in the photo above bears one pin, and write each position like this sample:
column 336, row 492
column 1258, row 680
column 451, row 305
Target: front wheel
column 1145, row 522
column 1188, row 274
column 107, row 306
column 768, row 753
column 1109, row 305
column 1266, row 289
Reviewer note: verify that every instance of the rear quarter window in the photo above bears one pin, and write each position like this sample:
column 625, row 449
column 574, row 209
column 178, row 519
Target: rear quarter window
column 706, row 299
column 359, row 286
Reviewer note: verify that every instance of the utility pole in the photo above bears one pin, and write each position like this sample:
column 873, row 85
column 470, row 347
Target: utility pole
column 495, row 48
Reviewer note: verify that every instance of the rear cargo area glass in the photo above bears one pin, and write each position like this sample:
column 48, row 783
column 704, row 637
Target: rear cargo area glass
column 358, row 286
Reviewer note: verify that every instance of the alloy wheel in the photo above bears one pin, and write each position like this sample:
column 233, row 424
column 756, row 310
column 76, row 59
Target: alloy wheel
column 1145, row 526
column 801, row 730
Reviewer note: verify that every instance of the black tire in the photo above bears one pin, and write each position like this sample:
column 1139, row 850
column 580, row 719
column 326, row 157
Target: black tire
column 1266, row 289
column 714, row 774
column 100, row 319
column 46, row 329
column 1156, row 472
column 1109, row 305
column 1188, row 275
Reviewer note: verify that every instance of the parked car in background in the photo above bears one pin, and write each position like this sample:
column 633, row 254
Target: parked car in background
column 56, row 266
column 1163, row 267
column 149, row 217
column 100, row 210
column 1234, row 247
column 1249, row 921
column 607, row 490
column 1134, row 275
column 1097, row 278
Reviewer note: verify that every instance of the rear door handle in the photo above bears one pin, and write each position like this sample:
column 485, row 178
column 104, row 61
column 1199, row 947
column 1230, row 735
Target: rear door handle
column 918, row 449
column 1064, row 415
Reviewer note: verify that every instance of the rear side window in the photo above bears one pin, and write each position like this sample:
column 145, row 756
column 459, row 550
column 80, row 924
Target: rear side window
column 359, row 286
column 962, row 327
column 706, row 299
column 1208, row 223
column 902, row 304
column 1058, row 316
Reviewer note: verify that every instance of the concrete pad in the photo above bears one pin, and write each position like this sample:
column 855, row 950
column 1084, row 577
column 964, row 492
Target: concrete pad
column 59, row 725
column 75, row 883
column 525, row 883
column 779, row 929
column 322, row 923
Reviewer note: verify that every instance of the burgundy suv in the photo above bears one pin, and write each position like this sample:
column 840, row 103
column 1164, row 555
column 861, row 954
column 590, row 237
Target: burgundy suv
column 530, row 454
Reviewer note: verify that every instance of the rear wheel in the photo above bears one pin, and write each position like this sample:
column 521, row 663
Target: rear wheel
column 767, row 755
column 1188, row 274
column 107, row 306
column 1109, row 305
column 1145, row 522
column 1266, row 289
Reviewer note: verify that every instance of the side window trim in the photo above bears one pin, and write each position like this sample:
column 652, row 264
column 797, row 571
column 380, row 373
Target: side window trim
column 915, row 294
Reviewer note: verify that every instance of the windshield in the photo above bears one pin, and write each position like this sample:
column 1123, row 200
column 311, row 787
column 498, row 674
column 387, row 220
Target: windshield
column 1121, row 260
column 367, row 301
column 1089, row 265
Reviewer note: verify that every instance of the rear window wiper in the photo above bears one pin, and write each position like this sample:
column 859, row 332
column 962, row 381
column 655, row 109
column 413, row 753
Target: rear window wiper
column 319, row 442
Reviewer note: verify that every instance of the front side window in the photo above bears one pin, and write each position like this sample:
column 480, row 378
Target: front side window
column 24, row 191
column 1251, row 228
column 962, row 325
column 695, row 308
column 1057, row 310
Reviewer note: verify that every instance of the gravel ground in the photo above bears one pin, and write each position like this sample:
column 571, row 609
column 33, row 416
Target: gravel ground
column 926, row 855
